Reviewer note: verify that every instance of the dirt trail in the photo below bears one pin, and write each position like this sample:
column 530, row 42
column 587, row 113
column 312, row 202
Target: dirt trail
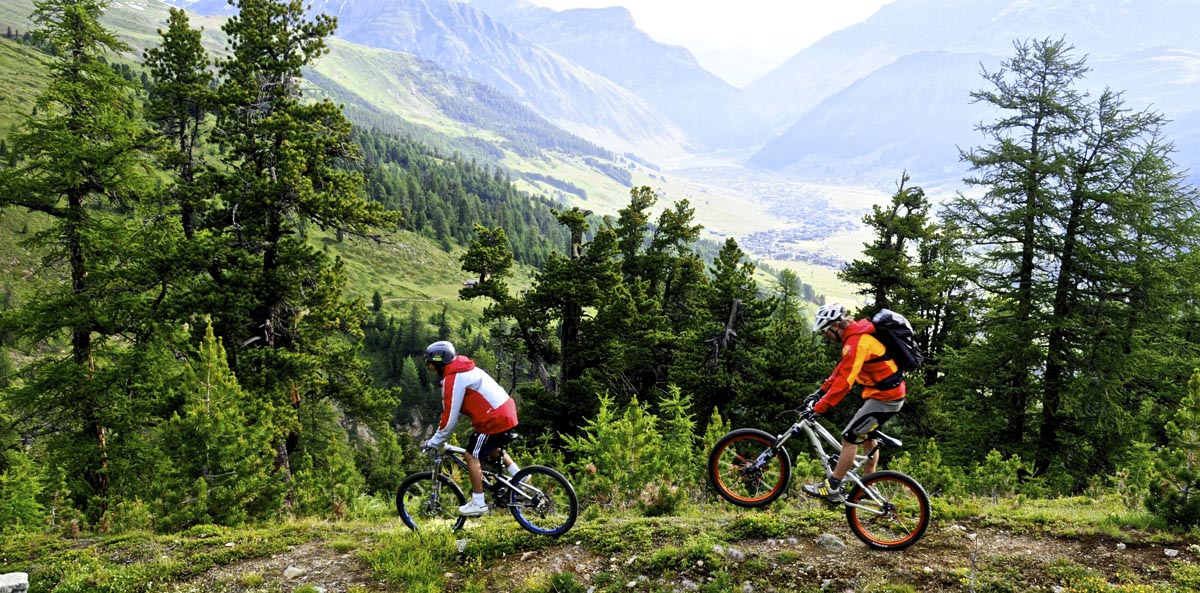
column 949, row 558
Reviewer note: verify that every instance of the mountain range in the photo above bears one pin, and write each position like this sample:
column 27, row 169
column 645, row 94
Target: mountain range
column 859, row 106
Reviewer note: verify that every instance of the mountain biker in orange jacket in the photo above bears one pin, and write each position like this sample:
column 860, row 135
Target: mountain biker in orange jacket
column 471, row 391
column 864, row 361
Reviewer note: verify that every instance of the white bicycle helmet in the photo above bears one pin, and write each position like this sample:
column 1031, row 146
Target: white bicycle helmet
column 827, row 315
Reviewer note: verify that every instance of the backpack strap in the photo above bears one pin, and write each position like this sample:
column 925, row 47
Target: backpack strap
column 893, row 381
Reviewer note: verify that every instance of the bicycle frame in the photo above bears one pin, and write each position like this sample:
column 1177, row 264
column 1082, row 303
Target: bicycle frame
column 490, row 478
column 816, row 433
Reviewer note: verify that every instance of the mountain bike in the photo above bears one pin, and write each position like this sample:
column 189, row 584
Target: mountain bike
column 539, row 498
column 887, row 510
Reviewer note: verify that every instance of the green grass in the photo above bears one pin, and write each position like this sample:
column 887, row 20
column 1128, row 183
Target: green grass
column 713, row 546
column 25, row 78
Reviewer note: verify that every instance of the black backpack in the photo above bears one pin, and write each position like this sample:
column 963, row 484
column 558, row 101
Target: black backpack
column 896, row 335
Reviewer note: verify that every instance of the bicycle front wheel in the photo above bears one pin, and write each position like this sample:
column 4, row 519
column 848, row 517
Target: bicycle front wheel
column 423, row 507
column 543, row 501
column 746, row 471
column 891, row 512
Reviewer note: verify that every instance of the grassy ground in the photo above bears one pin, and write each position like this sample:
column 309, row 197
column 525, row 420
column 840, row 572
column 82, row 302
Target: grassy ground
column 1073, row 545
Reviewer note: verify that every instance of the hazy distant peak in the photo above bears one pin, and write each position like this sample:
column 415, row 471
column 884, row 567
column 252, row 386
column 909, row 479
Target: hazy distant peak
column 611, row 16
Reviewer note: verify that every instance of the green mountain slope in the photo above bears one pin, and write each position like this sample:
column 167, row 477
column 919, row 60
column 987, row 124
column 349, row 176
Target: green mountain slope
column 24, row 78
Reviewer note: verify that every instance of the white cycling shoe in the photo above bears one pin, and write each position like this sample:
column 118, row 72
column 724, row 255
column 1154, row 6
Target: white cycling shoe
column 473, row 510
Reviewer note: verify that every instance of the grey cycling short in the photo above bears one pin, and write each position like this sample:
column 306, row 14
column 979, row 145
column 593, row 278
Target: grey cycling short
column 869, row 418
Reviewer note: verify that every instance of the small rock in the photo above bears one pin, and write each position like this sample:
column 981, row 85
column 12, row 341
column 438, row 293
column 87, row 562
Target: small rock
column 928, row 570
column 630, row 584
column 1169, row 553
column 1194, row 548
column 292, row 572
column 972, row 536
column 699, row 563
column 1120, row 546
column 526, row 556
column 630, row 561
column 448, row 575
column 230, row 545
column 14, row 582
column 830, row 542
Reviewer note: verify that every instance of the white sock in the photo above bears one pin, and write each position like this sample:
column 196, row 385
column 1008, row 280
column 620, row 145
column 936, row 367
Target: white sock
column 477, row 498
column 513, row 469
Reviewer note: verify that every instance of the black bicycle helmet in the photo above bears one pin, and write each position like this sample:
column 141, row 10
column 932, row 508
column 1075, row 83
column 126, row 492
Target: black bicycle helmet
column 440, row 354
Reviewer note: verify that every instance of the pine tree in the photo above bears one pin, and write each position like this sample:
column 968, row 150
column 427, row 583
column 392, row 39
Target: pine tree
column 179, row 102
column 286, row 165
column 87, row 150
column 1079, row 194
column 886, row 271
column 217, row 448
column 1177, row 499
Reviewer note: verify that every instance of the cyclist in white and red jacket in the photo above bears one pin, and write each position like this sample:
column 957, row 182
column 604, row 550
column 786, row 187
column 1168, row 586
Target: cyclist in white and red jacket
column 469, row 390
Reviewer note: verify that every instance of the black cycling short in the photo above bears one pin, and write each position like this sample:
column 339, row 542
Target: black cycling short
column 482, row 446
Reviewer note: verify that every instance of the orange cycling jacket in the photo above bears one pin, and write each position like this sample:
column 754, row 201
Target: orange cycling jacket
column 863, row 361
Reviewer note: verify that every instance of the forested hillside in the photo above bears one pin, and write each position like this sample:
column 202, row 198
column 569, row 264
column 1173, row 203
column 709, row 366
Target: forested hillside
column 195, row 345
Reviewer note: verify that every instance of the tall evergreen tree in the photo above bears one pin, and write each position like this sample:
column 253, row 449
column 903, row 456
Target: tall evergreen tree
column 180, row 100
column 886, row 271
column 1035, row 91
column 277, row 301
column 83, row 154
column 1079, row 192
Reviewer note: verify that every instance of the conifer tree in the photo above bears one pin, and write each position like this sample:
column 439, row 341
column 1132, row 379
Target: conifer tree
column 1079, row 193
column 277, row 301
column 179, row 102
column 86, row 150
column 217, row 449
column 1177, row 498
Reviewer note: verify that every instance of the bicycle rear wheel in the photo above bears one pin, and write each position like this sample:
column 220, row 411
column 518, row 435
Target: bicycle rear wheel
column 894, row 514
column 421, row 511
column 543, row 501
column 746, row 471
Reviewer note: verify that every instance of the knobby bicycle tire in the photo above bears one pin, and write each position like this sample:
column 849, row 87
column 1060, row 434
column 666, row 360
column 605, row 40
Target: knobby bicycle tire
column 418, row 510
column 550, row 507
column 897, row 523
column 733, row 473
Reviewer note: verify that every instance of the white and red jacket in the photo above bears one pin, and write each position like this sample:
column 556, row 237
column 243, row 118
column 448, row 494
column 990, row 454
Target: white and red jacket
column 471, row 391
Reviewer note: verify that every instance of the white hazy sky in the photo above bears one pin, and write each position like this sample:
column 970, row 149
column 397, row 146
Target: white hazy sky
column 738, row 40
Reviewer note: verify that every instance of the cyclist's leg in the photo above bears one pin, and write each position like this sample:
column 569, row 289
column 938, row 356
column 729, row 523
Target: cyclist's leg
column 477, row 447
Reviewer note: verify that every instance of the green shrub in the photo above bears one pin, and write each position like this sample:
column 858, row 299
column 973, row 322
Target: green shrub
column 661, row 498
column 996, row 476
column 20, row 487
column 1177, row 498
column 616, row 456
column 929, row 470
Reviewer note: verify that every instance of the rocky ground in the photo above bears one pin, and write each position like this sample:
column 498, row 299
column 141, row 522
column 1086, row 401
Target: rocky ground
column 954, row 557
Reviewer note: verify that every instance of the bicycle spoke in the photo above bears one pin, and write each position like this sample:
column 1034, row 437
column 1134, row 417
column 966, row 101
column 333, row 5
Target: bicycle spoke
column 740, row 477
column 890, row 512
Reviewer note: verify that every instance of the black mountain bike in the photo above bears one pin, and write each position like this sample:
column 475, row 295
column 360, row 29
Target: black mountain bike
column 539, row 498
column 887, row 510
